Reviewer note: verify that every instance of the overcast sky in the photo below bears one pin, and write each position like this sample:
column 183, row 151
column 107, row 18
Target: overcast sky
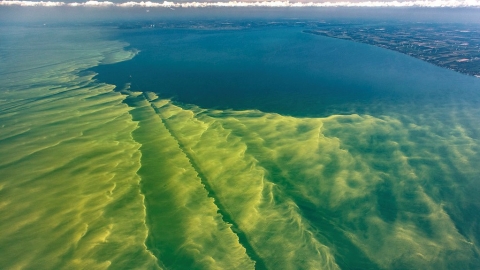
column 11, row 11
column 274, row 3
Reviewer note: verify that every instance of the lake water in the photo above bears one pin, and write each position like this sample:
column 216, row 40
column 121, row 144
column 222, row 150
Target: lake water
column 264, row 148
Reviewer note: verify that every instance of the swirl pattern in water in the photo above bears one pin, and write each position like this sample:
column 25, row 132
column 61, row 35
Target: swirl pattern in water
column 262, row 148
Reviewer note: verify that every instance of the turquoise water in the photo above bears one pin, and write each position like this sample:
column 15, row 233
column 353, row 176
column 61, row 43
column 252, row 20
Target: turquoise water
column 265, row 148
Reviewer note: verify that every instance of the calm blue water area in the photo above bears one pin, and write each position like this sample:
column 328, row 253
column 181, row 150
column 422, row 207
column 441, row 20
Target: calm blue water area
column 280, row 69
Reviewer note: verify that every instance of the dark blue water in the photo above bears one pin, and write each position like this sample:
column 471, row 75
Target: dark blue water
column 280, row 70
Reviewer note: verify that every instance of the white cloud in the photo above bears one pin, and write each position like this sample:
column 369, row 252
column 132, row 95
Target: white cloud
column 166, row 4
column 31, row 3
column 98, row 4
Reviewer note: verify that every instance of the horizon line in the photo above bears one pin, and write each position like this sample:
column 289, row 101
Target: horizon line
column 273, row 4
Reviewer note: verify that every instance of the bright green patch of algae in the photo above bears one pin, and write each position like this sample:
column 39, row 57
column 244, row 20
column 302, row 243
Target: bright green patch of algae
column 69, row 192
column 341, row 191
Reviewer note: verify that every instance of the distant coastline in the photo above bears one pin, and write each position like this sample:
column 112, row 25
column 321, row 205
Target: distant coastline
column 452, row 46
column 455, row 47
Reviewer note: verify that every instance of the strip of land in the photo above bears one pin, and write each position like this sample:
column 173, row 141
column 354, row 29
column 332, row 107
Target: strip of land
column 456, row 47
column 452, row 46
